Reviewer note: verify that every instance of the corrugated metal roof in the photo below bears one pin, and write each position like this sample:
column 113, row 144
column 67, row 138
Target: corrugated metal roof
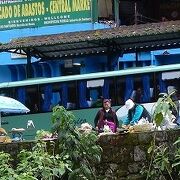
column 123, row 39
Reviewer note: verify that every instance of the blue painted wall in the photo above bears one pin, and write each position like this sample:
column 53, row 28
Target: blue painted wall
column 158, row 57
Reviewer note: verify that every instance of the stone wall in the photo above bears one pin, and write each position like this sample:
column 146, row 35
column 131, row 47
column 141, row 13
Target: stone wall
column 123, row 156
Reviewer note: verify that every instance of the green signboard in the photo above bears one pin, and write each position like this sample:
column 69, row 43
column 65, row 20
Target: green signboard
column 38, row 13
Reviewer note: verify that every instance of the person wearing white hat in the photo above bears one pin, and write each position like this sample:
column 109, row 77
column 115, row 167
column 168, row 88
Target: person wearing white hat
column 135, row 113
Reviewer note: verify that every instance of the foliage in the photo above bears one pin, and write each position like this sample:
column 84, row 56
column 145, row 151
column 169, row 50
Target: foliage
column 6, row 170
column 80, row 148
column 77, row 155
column 38, row 163
column 176, row 163
column 164, row 164
column 163, row 108
column 33, row 165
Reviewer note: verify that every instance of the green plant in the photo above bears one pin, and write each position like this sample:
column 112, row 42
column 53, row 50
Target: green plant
column 78, row 154
column 33, row 165
column 176, row 163
column 80, row 148
column 38, row 163
column 6, row 170
column 163, row 108
column 164, row 164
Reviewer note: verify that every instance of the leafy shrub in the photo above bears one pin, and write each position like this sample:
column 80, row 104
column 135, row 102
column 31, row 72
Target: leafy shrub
column 6, row 169
column 164, row 164
column 76, row 159
column 163, row 108
column 80, row 148
column 33, row 165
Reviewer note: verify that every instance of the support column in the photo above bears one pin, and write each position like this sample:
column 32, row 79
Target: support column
column 28, row 66
column 116, row 12
column 94, row 11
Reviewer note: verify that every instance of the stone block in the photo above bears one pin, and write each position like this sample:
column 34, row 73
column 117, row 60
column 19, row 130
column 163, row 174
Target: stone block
column 135, row 167
column 139, row 154
column 135, row 177
column 145, row 138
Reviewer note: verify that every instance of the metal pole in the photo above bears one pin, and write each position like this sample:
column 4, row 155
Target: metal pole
column 94, row 11
column 116, row 12
column 0, row 120
column 135, row 13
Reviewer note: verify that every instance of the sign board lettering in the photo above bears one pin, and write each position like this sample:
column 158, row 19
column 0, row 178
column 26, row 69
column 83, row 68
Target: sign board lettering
column 38, row 13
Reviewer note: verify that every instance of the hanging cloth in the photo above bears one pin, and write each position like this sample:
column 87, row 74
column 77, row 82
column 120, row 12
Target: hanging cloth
column 47, row 98
column 82, row 94
column 64, row 94
column 21, row 95
column 14, row 73
column 162, row 85
column 105, row 89
column 129, row 87
column 146, row 88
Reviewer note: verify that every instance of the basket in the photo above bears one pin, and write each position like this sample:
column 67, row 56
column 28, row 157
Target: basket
column 143, row 127
column 2, row 139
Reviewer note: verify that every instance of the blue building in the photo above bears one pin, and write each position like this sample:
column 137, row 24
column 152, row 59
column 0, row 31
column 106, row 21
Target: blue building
column 21, row 20
column 82, row 61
